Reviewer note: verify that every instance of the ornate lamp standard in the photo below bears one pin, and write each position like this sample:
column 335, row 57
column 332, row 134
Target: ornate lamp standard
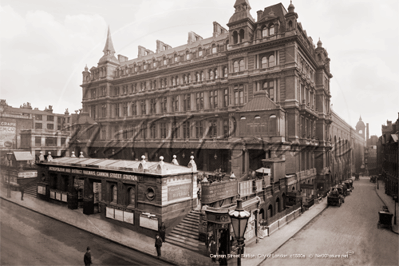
column 239, row 219
column 9, row 158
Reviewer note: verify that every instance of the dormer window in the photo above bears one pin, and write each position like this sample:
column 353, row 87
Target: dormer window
column 154, row 64
column 214, row 49
column 200, row 52
column 271, row 30
column 176, row 58
column 264, row 32
column 165, row 62
column 145, row 66
column 187, row 56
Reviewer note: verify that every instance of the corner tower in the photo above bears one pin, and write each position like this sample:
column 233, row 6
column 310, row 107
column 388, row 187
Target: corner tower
column 241, row 24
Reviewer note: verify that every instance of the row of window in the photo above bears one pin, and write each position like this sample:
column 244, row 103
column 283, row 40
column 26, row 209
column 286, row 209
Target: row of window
column 166, row 61
column 178, row 130
column 121, row 109
column 49, row 141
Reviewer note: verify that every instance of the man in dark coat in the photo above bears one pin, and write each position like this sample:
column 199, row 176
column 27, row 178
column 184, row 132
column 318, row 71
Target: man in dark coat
column 87, row 257
column 158, row 245
column 22, row 189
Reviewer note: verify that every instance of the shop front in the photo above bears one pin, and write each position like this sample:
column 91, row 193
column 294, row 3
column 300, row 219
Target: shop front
column 138, row 195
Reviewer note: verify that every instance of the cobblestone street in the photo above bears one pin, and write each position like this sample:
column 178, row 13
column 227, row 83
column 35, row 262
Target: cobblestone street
column 350, row 230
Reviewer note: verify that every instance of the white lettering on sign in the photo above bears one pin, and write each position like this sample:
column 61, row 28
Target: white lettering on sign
column 27, row 174
column 130, row 177
column 59, row 169
column 8, row 124
column 114, row 175
column 76, row 171
column 104, row 174
column 89, row 172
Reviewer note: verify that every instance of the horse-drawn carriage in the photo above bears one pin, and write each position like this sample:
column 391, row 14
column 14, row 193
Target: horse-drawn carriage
column 334, row 197
column 373, row 178
column 349, row 186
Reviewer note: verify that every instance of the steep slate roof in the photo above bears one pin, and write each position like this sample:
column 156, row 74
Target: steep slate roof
column 260, row 102
column 277, row 10
column 177, row 49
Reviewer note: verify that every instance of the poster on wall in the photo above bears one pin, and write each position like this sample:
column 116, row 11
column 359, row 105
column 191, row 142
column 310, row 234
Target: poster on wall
column 7, row 133
column 109, row 213
column 149, row 222
column 119, row 215
column 128, row 217
column 178, row 192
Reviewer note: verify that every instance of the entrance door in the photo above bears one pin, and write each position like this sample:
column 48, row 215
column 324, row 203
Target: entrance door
column 88, row 199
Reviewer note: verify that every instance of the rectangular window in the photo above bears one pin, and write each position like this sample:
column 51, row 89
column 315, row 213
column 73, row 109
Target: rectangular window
column 187, row 103
column 152, row 106
column 175, row 130
column 93, row 93
column 152, row 131
column 186, row 130
column 38, row 117
column 143, row 108
column 38, row 141
column 134, row 108
column 50, row 141
column 38, row 125
column 238, row 95
column 50, row 118
column 200, row 101
column 117, row 109
column 175, row 103
column 63, row 140
column 104, row 91
column 226, row 128
column 213, row 99
column 93, row 111
column 162, row 128
column 199, row 126
column 144, row 130
column 226, row 97
column 104, row 110
column 163, row 105
column 212, row 129
column 50, row 126
column 116, row 91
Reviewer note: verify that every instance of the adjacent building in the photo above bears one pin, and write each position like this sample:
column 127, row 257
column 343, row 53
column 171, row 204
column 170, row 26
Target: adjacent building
column 388, row 157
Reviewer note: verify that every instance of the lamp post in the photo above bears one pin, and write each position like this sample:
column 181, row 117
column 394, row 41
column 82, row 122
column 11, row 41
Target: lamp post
column 9, row 158
column 239, row 220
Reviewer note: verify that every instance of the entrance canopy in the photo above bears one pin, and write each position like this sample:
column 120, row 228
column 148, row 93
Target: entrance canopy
column 23, row 156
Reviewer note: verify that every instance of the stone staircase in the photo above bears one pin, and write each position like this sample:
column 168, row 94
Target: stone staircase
column 186, row 234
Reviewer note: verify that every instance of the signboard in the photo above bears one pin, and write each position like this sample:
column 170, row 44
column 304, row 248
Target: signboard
column 64, row 197
column 58, row 196
column 149, row 222
column 218, row 191
column 178, row 192
column 119, row 215
column 41, row 190
column 94, row 173
column 128, row 217
column 8, row 132
column 27, row 174
column 109, row 212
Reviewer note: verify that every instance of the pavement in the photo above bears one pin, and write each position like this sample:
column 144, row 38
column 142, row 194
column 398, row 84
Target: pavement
column 389, row 202
column 170, row 253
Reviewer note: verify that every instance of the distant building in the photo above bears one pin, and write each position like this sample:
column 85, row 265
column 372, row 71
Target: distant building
column 387, row 156
column 34, row 130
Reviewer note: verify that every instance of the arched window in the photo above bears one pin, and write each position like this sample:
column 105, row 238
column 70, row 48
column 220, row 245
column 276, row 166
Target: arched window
column 187, row 56
column 202, row 76
column 264, row 62
column 214, row 49
column 241, row 35
column 272, row 124
column 236, row 66
column 264, row 32
column 199, row 52
column 173, row 81
column 225, row 74
column 272, row 62
column 165, row 62
column 176, row 58
column 242, row 65
column 177, row 80
column 290, row 25
column 235, row 37
column 216, row 73
column 211, row 76
column 197, row 77
column 271, row 30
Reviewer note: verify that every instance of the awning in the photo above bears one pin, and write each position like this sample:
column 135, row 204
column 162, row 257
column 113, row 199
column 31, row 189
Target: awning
column 23, row 156
column 263, row 170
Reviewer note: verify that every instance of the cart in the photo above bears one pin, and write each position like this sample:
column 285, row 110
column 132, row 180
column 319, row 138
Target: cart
column 385, row 219
column 334, row 198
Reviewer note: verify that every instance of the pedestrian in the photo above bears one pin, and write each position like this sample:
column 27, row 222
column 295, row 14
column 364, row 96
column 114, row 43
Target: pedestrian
column 87, row 257
column 213, row 248
column 162, row 231
column 223, row 259
column 158, row 245
column 22, row 192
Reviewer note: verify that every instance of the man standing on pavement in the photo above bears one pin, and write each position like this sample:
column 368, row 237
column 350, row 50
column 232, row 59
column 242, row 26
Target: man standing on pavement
column 22, row 192
column 87, row 257
column 158, row 245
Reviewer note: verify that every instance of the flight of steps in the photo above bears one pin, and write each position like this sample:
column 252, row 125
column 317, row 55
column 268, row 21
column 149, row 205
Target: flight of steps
column 186, row 235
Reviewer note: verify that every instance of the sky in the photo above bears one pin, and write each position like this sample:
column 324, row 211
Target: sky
column 45, row 45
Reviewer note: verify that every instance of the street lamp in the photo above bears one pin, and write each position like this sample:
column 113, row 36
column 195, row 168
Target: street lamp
column 239, row 220
column 9, row 158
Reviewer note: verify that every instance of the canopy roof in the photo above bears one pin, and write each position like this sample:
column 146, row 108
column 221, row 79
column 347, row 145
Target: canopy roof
column 23, row 156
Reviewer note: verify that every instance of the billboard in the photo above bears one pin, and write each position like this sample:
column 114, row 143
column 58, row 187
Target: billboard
column 8, row 132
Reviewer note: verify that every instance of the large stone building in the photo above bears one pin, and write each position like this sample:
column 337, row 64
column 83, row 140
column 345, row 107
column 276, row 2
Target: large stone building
column 388, row 156
column 257, row 89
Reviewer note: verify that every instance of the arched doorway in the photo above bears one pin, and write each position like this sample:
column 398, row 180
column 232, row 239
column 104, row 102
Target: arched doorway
column 270, row 211
column 283, row 201
column 262, row 214
column 277, row 205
